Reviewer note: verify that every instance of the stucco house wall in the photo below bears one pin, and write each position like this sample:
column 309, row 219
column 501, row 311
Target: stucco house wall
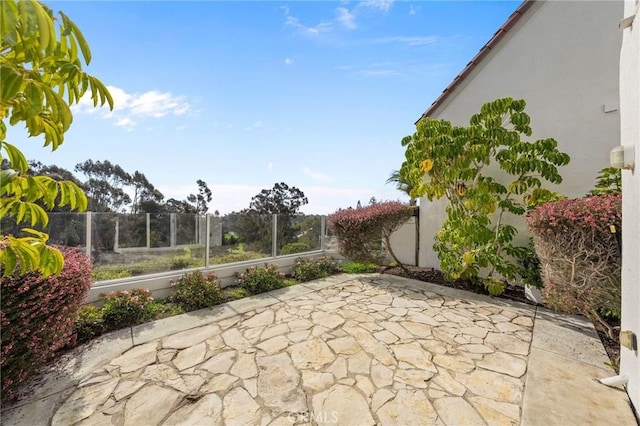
column 562, row 58
column 403, row 243
column 630, row 136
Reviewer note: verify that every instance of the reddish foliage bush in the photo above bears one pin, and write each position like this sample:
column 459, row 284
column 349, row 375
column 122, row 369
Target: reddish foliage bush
column 38, row 316
column 360, row 231
column 596, row 212
column 123, row 308
column 579, row 255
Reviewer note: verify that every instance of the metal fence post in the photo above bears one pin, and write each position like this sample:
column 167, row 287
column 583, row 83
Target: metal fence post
column 207, row 241
column 323, row 232
column 196, row 228
column 148, row 230
column 87, row 235
column 274, row 236
column 116, row 239
column 172, row 229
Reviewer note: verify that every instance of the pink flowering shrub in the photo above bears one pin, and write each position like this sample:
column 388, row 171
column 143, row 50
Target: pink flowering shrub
column 596, row 212
column 260, row 280
column 38, row 316
column 196, row 290
column 579, row 254
column 125, row 308
column 360, row 232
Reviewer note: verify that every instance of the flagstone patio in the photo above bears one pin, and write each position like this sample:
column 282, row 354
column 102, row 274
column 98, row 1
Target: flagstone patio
column 347, row 350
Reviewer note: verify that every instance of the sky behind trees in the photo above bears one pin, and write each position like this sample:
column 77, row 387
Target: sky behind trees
column 246, row 94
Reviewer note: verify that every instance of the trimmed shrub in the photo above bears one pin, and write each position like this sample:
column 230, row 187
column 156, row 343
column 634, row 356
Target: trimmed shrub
column 259, row 280
column 38, row 316
column 306, row 269
column 89, row 323
column 579, row 253
column 529, row 266
column 124, row 308
column 358, row 268
column 196, row 291
column 293, row 248
column 361, row 232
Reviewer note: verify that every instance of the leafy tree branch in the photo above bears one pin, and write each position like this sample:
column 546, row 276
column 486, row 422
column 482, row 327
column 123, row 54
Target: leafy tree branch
column 40, row 65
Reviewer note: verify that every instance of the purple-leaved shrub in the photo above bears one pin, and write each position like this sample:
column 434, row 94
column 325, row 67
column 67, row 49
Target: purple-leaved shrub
column 361, row 231
column 580, row 259
column 38, row 316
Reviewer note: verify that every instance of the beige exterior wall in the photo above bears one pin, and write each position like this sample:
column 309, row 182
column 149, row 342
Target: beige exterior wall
column 630, row 136
column 562, row 57
column 403, row 243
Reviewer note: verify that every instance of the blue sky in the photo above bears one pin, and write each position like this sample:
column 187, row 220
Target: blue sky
column 246, row 94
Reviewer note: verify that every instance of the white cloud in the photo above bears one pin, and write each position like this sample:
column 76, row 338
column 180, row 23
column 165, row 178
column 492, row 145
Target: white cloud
column 346, row 18
column 399, row 70
column 316, row 175
column 270, row 165
column 130, row 108
column 157, row 104
column 288, row 61
column 322, row 27
column 382, row 69
column 383, row 5
column 126, row 123
column 254, row 126
column 409, row 40
column 380, row 72
column 413, row 10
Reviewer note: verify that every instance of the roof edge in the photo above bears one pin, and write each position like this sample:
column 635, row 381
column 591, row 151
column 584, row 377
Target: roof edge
column 484, row 51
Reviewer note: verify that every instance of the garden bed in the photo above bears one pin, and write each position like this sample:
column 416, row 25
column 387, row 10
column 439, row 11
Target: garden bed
column 432, row 275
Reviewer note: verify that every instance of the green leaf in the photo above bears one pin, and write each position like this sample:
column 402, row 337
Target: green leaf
column 10, row 83
column 9, row 260
column 17, row 160
column 8, row 19
column 45, row 27
column 77, row 34
column 34, row 99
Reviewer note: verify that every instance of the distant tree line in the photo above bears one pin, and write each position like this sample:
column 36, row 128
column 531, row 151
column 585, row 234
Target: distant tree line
column 110, row 189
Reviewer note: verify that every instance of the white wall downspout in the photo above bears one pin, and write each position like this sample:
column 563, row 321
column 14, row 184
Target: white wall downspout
column 614, row 381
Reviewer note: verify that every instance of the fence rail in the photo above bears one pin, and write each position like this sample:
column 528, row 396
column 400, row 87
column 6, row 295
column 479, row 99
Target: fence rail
column 128, row 245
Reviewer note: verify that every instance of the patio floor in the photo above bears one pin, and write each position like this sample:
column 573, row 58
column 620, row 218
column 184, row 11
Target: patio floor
column 346, row 350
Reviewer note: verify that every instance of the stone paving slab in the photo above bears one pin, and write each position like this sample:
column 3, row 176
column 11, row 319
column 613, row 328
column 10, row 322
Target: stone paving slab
column 565, row 359
column 251, row 303
column 291, row 292
column 351, row 350
column 144, row 333
column 571, row 337
column 567, row 394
